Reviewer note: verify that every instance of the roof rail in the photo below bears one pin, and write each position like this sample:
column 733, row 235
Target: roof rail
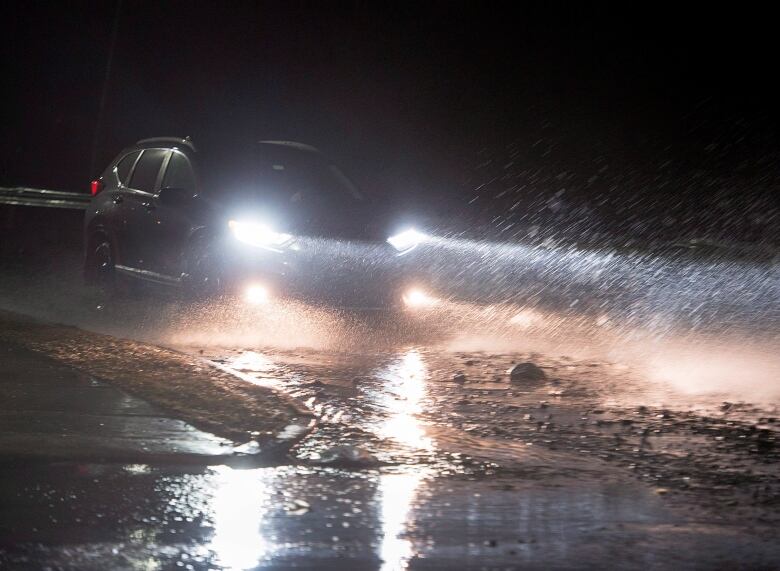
column 185, row 141
column 292, row 145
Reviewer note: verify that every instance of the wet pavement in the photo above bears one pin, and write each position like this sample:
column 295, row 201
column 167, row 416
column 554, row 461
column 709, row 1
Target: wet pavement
column 464, row 412
column 71, row 517
column 450, row 474
column 50, row 411
column 426, row 453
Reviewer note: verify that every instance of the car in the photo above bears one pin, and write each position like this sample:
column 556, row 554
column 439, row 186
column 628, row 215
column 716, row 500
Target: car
column 261, row 220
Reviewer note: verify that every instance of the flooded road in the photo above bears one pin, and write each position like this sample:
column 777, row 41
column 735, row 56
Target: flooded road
column 325, row 518
column 427, row 453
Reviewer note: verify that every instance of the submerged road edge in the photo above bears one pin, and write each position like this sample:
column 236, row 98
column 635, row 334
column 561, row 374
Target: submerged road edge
column 193, row 390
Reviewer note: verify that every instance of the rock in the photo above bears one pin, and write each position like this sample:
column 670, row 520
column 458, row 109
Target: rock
column 348, row 456
column 526, row 372
column 297, row 507
column 292, row 432
column 459, row 378
column 250, row 448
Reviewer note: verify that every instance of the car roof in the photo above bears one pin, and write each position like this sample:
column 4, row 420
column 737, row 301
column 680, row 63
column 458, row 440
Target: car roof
column 165, row 141
column 293, row 145
column 187, row 142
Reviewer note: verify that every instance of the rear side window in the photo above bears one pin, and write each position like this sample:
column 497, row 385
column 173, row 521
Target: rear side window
column 147, row 169
column 179, row 173
column 123, row 167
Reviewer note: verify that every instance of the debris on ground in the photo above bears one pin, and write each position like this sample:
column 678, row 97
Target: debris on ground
column 526, row 372
column 297, row 507
column 348, row 457
column 248, row 448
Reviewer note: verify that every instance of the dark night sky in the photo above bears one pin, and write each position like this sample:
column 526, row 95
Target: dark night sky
column 408, row 98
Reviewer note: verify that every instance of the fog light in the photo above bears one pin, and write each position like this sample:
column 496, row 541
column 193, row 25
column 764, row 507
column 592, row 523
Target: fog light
column 418, row 298
column 256, row 294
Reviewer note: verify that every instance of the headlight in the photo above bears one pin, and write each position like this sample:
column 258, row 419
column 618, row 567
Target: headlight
column 259, row 235
column 256, row 294
column 415, row 298
column 406, row 241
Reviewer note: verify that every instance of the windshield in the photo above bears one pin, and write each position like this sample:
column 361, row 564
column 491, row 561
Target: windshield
column 282, row 175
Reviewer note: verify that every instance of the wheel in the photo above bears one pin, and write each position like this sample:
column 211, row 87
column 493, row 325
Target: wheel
column 203, row 277
column 99, row 264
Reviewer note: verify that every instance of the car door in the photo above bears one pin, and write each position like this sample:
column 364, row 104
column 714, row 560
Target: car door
column 171, row 224
column 112, row 203
column 139, row 245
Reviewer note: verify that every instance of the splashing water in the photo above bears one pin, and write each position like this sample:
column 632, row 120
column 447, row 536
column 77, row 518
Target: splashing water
column 698, row 322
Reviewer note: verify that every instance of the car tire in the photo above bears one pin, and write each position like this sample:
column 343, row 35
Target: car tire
column 99, row 267
column 203, row 277
column 100, row 270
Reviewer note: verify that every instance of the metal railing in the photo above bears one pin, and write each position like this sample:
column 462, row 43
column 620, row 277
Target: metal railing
column 24, row 196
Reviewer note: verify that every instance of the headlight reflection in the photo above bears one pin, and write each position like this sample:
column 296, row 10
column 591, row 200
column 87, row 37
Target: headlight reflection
column 402, row 398
column 240, row 503
column 397, row 493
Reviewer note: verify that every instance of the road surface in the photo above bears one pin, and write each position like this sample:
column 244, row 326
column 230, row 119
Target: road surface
column 633, row 451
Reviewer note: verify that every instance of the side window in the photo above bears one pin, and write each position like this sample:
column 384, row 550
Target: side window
column 179, row 173
column 123, row 167
column 147, row 169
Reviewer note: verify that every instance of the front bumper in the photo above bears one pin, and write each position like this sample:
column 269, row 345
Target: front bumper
column 342, row 274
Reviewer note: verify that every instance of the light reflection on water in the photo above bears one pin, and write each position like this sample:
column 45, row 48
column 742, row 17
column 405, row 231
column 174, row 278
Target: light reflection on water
column 253, row 362
column 242, row 503
column 252, row 367
column 397, row 493
column 402, row 397
column 239, row 504
column 243, row 500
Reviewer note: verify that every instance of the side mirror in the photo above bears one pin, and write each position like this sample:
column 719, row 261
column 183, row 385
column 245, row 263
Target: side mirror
column 171, row 196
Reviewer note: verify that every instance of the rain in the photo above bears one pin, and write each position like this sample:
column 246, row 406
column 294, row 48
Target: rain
column 442, row 290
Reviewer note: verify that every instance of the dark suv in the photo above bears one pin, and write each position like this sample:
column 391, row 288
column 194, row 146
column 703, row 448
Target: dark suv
column 270, row 219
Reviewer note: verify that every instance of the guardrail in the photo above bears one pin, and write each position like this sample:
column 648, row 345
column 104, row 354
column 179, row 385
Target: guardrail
column 23, row 196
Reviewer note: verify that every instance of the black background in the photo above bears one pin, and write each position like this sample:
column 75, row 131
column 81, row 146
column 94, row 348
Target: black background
column 517, row 115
